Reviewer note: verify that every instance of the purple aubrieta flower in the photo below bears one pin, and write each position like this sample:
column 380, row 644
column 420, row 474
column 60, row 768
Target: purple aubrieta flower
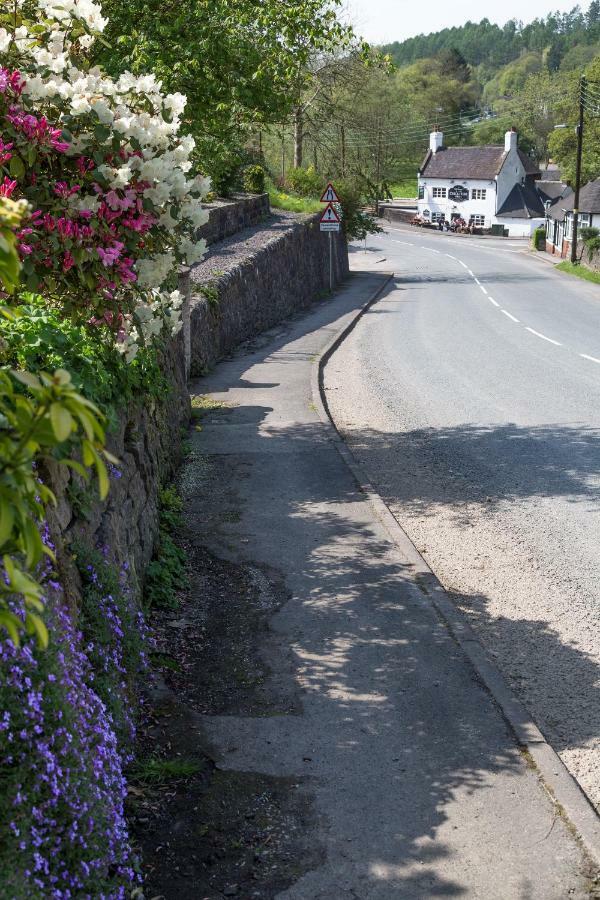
column 65, row 765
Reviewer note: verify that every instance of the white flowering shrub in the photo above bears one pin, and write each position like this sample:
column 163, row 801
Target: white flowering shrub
column 104, row 169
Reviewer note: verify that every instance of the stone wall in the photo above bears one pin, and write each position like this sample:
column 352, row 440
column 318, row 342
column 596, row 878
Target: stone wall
column 147, row 442
column 397, row 213
column 226, row 217
column 250, row 282
column 265, row 273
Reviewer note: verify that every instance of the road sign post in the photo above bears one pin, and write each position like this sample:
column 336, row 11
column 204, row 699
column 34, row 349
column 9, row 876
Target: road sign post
column 330, row 222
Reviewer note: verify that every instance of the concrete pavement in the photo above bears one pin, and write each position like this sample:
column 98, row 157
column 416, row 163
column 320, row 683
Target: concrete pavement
column 417, row 783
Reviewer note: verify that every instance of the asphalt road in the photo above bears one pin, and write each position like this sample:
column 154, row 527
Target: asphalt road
column 471, row 394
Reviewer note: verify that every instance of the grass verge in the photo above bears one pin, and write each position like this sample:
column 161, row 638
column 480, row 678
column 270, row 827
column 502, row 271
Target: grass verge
column 580, row 271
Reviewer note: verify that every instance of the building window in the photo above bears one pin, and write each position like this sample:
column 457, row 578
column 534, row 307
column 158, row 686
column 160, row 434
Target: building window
column 439, row 192
column 568, row 226
column 438, row 216
column 477, row 221
column 421, row 192
column 584, row 220
column 478, row 194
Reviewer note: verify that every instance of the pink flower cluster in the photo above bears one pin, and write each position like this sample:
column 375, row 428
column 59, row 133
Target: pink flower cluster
column 83, row 235
column 37, row 130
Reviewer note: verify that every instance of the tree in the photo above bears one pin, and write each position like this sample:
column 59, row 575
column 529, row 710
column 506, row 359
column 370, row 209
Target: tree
column 237, row 61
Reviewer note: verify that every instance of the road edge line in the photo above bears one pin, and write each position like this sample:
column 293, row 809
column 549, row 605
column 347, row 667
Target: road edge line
column 563, row 789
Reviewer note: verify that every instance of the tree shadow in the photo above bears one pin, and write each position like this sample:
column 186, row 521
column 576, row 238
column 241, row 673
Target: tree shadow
column 395, row 722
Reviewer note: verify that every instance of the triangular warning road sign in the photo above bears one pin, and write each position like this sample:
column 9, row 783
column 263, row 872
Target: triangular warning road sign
column 329, row 195
column 330, row 215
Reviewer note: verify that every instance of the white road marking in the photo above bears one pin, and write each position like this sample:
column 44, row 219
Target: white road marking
column 491, row 299
column 543, row 336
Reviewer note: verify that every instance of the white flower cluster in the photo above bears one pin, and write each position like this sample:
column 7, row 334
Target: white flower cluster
column 150, row 317
column 96, row 107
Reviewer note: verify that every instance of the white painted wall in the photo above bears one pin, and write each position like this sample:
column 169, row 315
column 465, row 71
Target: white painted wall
column 520, row 227
column 466, row 209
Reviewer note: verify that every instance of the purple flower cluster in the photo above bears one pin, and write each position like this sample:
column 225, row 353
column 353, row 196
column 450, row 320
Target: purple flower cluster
column 66, row 728
column 115, row 638
column 62, row 827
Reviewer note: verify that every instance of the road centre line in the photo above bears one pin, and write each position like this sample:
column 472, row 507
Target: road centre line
column 491, row 299
column 543, row 336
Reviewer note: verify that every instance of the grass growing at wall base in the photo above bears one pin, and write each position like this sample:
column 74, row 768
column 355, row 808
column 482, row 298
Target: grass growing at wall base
column 580, row 271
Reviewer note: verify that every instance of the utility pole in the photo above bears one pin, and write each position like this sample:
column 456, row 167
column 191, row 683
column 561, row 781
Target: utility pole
column 582, row 88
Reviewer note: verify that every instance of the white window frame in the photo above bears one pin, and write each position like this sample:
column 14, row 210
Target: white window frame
column 437, row 216
column 478, row 193
column 477, row 220
column 583, row 220
column 439, row 193
column 568, row 227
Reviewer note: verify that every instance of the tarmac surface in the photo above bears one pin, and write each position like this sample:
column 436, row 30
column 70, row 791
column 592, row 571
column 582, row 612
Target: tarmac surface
column 471, row 395
column 416, row 781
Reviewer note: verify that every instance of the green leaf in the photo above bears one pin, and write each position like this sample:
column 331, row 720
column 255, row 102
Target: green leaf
column 37, row 626
column 16, row 167
column 62, row 421
column 7, row 518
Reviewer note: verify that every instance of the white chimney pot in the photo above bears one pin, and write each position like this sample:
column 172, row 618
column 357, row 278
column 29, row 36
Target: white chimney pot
column 436, row 140
column 510, row 140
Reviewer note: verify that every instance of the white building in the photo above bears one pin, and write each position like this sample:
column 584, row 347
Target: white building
column 485, row 186
column 559, row 218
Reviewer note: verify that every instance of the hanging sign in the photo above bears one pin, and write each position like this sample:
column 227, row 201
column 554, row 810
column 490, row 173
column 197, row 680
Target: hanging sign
column 329, row 195
column 458, row 193
column 330, row 221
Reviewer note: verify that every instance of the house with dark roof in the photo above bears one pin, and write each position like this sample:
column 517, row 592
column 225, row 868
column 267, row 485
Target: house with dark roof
column 485, row 186
column 559, row 217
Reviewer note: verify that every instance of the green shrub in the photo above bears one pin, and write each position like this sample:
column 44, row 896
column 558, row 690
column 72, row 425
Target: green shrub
column 357, row 223
column 305, row 182
column 592, row 246
column 587, row 232
column 39, row 339
column 253, row 179
column 166, row 573
column 538, row 238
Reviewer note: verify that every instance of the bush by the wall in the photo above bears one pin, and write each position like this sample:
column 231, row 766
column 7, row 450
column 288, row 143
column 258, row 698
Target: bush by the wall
column 305, row 182
column 538, row 238
column 253, row 179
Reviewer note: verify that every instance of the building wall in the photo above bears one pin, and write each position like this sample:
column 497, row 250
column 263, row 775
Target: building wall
column 511, row 173
column 465, row 209
column 520, row 227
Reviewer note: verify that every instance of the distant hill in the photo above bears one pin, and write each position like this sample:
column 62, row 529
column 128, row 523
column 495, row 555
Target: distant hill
column 489, row 46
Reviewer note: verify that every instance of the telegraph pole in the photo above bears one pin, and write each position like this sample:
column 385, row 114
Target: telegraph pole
column 582, row 88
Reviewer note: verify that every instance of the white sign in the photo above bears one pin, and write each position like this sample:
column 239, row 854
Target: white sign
column 329, row 195
column 330, row 215
column 330, row 226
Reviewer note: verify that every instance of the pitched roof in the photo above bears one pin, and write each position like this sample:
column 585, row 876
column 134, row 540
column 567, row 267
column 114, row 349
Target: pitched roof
column 589, row 201
column 523, row 202
column 552, row 190
column 470, row 162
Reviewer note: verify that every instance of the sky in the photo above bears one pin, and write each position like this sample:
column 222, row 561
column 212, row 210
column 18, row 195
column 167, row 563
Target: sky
column 384, row 21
